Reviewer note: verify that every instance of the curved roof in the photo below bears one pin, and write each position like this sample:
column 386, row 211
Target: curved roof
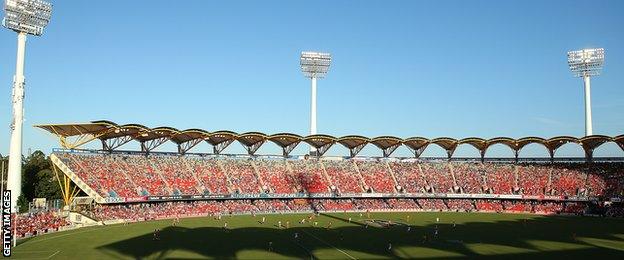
column 105, row 130
column 125, row 130
column 522, row 142
column 557, row 141
column 156, row 133
column 384, row 142
column 218, row 137
column 446, row 143
column 189, row 135
column 353, row 141
column 416, row 142
column 476, row 142
column 111, row 123
column 251, row 138
column 593, row 141
column 318, row 141
column 509, row 142
column 75, row 129
column 284, row 139
column 619, row 140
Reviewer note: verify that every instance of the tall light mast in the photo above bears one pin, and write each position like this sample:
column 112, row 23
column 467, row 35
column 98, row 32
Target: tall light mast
column 586, row 63
column 314, row 65
column 24, row 17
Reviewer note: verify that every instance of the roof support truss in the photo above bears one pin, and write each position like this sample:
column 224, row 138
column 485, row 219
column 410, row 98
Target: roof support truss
column 114, row 143
column 450, row 151
column 251, row 149
column 218, row 148
column 355, row 150
column 77, row 140
column 68, row 190
column 419, row 151
column 321, row 150
column 289, row 148
column 389, row 150
column 149, row 145
column 188, row 145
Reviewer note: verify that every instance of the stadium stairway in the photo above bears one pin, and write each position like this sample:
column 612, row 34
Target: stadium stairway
column 260, row 180
column 227, row 177
column 160, row 175
column 200, row 185
column 74, row 178
column 359, row 176
column 396, row 183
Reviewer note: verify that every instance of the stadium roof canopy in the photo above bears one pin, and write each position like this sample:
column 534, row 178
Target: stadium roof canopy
column 286, row 141
column 112, row 136
column 354, row 143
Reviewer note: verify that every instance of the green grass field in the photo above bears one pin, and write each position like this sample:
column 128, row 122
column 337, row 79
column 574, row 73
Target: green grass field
column 475, row 235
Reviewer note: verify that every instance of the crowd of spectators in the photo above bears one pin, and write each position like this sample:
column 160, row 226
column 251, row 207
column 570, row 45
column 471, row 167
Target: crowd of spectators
column 438, row 177
column 242, row 175
column 277, row 178
column 460, row 205
column 36, row 223
column 310, row 174
column 547, row 208
column 469, row 177
column 210, row 174
column 403, row 204
column 489, row 205
column 377, row 176
column 344, row 176
column 432, row 204
column 517, row 206
column 123, row 175
column 533, row 179
column 408, row 176
column 500, row 178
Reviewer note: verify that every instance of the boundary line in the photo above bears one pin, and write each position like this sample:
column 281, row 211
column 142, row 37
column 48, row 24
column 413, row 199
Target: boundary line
column 323, row 241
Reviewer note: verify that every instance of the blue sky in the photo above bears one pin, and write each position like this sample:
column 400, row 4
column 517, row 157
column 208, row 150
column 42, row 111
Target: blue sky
column 404, row 68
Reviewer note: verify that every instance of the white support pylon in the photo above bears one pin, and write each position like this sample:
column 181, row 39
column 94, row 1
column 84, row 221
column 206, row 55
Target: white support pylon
column 14, row 175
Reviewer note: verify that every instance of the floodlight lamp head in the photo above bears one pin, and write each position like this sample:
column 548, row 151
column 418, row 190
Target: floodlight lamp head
column 586, row 62
column 315, row 64
column 27, row 16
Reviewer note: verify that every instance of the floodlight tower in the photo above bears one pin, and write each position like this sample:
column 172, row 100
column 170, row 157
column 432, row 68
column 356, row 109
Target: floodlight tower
column 24, row 17
column 314, row 65
column 586, row 63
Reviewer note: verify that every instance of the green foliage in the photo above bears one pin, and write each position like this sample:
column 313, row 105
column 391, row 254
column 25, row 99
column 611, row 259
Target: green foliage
column 47, row 185
column 38, row 180
column 22, row 203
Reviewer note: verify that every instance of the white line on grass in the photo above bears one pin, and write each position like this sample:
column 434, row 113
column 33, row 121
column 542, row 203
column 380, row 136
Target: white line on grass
column 68, row 234
column 54, row 254
column 58, row 251
column 323, row 241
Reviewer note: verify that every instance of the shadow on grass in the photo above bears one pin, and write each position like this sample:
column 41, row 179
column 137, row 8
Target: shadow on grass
column 542, row 237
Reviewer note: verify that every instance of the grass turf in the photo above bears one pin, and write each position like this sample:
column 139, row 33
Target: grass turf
column 475, row 235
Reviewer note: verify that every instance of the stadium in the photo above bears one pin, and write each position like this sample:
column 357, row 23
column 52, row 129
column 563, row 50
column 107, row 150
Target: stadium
column 118, row 202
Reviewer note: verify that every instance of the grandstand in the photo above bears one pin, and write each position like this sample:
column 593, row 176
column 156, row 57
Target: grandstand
column 114, row 176
column 134, row 186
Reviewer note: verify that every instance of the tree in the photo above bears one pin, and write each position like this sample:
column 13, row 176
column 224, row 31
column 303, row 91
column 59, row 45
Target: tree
column 47, row 186
column 22, row 203
column 34, row 163
column 38, row 180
